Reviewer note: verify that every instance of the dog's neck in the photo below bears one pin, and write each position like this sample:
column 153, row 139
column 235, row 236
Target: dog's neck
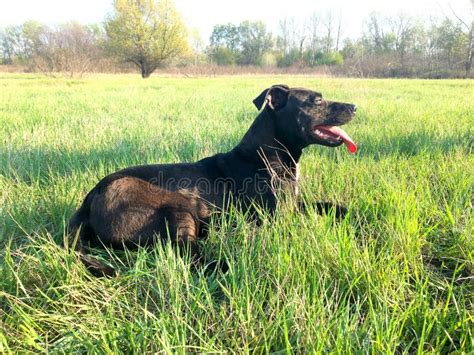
column 265, row 144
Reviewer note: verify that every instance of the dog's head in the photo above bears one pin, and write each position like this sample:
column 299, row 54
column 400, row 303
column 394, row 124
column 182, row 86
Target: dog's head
column 303, row 117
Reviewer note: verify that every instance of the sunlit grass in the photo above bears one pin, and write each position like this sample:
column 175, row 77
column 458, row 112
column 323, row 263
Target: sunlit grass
column 395, row 276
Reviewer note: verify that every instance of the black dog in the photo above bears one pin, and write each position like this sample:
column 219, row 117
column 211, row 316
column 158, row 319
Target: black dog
column 142, row 205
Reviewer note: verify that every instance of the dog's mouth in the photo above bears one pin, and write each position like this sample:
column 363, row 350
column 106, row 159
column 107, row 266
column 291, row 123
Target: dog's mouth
column 335, row 135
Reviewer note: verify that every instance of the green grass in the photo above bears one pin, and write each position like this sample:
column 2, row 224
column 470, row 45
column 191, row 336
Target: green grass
column 395, row 276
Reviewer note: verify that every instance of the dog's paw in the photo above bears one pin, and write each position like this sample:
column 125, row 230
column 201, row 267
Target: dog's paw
column 340, row 211
column 96, row 267
column 214, row 266
column 326, row 208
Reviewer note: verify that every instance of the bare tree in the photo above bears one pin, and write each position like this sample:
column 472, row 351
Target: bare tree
column 402, row 26
column 70, row 48
column 376, row 33
column 297, row 35
column 328, row 23
column 283, row 40
column 339, row 33
column 291, row 36
column 313, row 31
column 468, row 31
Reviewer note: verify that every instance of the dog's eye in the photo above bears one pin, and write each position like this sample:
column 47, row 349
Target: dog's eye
column 318, row 100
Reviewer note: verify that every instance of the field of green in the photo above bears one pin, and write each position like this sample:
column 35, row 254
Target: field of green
column 397, row 275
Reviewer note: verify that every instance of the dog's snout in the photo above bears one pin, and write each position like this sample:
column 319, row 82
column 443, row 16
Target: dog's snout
column 342, row 107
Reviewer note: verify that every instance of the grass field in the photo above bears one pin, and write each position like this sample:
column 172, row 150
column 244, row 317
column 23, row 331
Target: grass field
column 395, row 276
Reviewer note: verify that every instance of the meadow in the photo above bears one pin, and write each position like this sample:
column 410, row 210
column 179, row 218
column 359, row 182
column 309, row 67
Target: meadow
column 396, row 275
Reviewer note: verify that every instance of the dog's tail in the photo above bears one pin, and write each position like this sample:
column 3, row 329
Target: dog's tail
column 79, row 232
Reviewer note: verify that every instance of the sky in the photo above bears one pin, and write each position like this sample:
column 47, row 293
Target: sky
column 204, row 14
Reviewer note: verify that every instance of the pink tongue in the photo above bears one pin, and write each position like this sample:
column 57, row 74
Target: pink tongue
column 351, row 146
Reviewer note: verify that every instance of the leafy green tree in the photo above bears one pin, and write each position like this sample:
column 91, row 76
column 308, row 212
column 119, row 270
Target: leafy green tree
column 245, row 44
column 20, row 42
column 9, row 38
column 223, row 56
column 227, row 36
column 332, row 58
column 147, row 33
column 224, row 44
column 290, row 58
column 255, row 41
column 448, row 39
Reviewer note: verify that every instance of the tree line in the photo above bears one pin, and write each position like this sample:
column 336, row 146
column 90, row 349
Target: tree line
column 149, row 34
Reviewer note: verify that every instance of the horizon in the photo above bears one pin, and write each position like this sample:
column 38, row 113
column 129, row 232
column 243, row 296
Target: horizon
column 198, row 17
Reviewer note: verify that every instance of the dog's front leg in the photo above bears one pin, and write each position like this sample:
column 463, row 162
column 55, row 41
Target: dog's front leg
column 199, row 262
column 323, row 208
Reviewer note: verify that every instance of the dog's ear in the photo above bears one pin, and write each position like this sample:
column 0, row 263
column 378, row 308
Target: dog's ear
column 276, row 97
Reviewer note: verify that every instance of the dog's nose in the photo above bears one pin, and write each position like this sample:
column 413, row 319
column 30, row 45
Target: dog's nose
column 354, row 108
